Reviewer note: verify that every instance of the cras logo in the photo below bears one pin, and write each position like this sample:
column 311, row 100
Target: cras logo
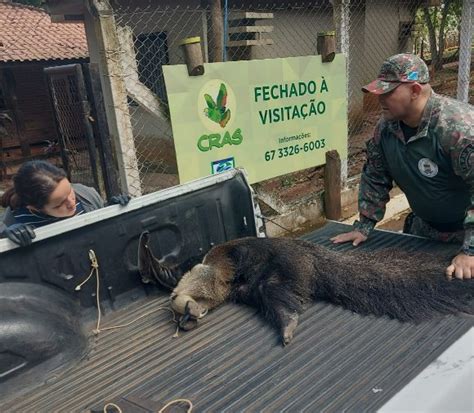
column 217, row 110
column 216, row 105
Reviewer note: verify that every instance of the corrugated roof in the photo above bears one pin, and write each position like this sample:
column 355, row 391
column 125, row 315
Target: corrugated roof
column 27, row 34
column 338, row 361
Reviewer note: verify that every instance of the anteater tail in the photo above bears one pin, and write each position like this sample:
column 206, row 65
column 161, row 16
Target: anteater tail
column 400, row 285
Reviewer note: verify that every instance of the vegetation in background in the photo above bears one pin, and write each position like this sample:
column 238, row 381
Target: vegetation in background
column 436, row 24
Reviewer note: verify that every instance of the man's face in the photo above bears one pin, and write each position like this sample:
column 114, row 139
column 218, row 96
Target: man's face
column 397, row 104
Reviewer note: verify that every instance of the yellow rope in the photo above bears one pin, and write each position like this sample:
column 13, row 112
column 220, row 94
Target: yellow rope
column 112, row 405
column 97, row 330
column 95, row 269
column 140, row 317
column 189, row 402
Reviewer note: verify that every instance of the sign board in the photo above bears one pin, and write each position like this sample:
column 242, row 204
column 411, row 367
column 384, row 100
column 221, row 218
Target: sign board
column 271, row 117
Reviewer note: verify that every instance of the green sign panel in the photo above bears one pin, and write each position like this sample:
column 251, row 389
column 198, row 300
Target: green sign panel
column 270, row 117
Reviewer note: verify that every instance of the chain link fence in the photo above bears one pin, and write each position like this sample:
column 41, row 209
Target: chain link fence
column 367, row 33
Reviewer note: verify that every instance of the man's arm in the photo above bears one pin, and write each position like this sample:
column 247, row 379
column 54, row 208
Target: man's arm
column 462, row 158
column 374, row 193
column 375, row 185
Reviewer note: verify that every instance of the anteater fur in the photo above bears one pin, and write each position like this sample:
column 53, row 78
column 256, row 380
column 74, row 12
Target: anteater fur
column 280, row 275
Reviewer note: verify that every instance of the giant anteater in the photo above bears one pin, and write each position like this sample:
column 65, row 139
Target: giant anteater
column 280, row 275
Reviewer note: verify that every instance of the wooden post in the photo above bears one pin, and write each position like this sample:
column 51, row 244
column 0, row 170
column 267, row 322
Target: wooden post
column 19, row 123
column 332, row 185
column 110, row 174
column 191, row 47
column 216, row 32
column 100, row 24
column 4, row 118
column 326, row 46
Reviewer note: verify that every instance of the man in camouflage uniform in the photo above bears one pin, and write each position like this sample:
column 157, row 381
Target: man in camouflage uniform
column 425, row 143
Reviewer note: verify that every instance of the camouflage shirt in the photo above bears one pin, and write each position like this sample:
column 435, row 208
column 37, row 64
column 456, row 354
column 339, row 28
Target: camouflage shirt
column 435, row 168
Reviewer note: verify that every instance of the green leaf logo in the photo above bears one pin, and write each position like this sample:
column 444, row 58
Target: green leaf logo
column 216, row 110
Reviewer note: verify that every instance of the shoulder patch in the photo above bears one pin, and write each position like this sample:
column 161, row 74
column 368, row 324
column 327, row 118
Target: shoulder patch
column 466, row 157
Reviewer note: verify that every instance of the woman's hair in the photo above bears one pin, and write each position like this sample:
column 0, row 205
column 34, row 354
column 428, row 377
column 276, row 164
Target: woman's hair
column 34, row 182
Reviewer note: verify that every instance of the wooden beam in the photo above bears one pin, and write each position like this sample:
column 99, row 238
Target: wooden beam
column 136, row 89
column 243, row 15
column 67, row 18
column 332, row 185
column 12, row 102
column 110, row 173
column 102, row 20
column 216, row 32
column 243, row 43
column 250, row 29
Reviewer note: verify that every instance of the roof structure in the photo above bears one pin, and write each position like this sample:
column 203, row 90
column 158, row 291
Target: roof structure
column 27, row 34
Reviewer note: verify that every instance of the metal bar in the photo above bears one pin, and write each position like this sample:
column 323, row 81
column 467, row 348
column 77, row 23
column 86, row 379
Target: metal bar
column 465, row 51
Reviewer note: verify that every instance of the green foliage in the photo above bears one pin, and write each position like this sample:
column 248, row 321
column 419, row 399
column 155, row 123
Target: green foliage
column 435, row 24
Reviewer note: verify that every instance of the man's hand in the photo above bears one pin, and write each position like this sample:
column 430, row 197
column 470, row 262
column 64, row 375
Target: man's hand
column 355, row 236
column 462, row 267
column 20, row 234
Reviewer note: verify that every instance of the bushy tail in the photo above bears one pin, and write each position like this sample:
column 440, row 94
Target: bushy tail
column 397, row 284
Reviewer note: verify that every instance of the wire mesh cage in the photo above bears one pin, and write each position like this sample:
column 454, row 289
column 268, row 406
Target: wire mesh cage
column 367, row 33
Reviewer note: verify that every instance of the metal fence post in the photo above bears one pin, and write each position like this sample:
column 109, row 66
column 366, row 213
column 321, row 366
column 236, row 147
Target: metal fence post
column 465, row 50
column 341, row 10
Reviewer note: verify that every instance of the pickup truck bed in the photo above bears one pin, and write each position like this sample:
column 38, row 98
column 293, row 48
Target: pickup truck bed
column 338, row 361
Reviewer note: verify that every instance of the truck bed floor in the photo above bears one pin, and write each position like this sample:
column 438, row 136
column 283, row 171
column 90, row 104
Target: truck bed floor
column 234, row 362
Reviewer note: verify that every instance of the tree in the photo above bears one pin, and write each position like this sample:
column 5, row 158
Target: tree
column 438, row 19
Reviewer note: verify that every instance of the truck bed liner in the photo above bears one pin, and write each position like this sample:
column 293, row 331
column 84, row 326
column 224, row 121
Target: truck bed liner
column 234, row 362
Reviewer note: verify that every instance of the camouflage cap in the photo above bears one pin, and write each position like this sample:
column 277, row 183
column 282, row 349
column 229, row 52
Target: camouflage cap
column 401, row 68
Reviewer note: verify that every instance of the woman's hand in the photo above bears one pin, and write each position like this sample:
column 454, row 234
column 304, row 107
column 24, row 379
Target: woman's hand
column 21, row 234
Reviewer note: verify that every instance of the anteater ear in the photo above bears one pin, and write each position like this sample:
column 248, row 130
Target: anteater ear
column 173, row 296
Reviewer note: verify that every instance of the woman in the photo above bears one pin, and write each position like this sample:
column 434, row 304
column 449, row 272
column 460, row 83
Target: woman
column 42, row 194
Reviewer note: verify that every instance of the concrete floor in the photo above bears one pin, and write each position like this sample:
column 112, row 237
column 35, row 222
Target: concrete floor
column 397, row 210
